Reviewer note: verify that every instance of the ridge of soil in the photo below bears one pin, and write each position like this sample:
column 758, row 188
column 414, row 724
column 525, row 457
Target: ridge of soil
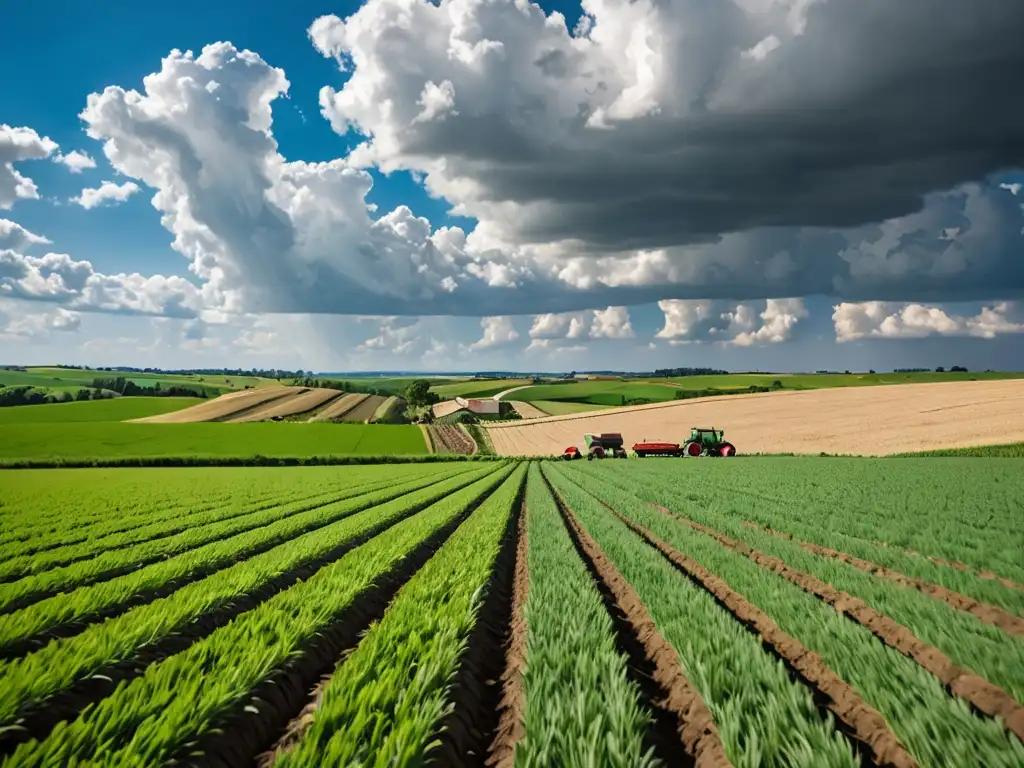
column 476, row 692
column 862, row 722
column 39, row 718
column 985, row 696
column 279, row 710
column 985, row 612
column 512, row 706
column 684, row 729
column 426, row 438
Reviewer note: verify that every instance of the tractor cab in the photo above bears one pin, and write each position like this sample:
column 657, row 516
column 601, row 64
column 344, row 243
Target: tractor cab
column 708, row 441
column 606, row 444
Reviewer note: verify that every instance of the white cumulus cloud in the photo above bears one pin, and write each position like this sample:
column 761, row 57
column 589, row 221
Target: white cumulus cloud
column 890, row 320
column 498, row 332
column 107, row 192
column 75, row 161
column 16, row 145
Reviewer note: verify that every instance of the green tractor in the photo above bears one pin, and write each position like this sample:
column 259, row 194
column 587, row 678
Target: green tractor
column 705, row 441
column 607, row 444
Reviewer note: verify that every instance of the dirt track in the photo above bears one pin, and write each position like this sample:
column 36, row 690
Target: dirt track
column 870, row 421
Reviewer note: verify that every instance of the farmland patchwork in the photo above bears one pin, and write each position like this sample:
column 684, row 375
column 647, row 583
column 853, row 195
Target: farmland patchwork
column 779, row 612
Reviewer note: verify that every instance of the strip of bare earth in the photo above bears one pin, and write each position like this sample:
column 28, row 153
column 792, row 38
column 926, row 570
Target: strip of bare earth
column 989, row 614
column 863, row 722
column 979, row 692
column 694, row 726
column 512, row 705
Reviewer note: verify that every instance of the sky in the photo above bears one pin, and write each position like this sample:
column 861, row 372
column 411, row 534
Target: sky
column 776, row 185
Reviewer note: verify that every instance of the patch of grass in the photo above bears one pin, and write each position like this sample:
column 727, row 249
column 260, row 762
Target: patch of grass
column 86, row 441
column 739, row 381
column 477, row 388
column 560, row 407
column 75, row 378
column 609, row 393
column 1005, row 451
column 115, row 409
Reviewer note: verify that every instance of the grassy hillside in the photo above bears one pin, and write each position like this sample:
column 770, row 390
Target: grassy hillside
column 74, row 378
column 116, row 409
column 598, row 392
column 477, row 387
column 104, row 440
column 736, row 381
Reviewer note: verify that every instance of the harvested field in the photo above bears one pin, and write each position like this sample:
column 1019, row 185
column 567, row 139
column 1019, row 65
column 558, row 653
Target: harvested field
column 450, row 438
column 292, row 405
column 224, row 407
column 869, row 421
column 642, row 614
column 445, row 408
column 527, row 411
column 364, row 410
column 337, row 409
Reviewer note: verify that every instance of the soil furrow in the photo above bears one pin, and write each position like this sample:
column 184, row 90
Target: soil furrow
column 39, row 719
column 985, row 612
column 512, row 705
column 202, row 572
column 280, row 709
column 684, row 730
column 986, row 697
column 471, row 726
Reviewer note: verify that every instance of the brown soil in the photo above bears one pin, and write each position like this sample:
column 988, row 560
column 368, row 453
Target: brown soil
column 340, row 407
column 471, row 726
column 512, row 706
column 222, row 407
column 812, row 421
column 364, row 410
column 989, row 614
column 448, row 438
column 527, row 411
column 292, row 405
column 985, row 696
column 863, row 722
column 694, row 725
column 280, row 709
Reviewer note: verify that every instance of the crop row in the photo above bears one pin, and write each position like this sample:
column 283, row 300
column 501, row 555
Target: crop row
column 549, row 614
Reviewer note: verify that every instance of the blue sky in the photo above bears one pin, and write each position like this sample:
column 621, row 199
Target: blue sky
column 575, row 221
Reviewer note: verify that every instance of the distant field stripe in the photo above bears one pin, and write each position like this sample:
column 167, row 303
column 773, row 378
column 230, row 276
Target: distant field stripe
column 388, row 698
column 984, row 695
column 912, row 700
column 553, row 701
column 25, row 565
column 990, row 614
column 698, row 733
column 277, row 647
column 63, row 676
column 117, row 562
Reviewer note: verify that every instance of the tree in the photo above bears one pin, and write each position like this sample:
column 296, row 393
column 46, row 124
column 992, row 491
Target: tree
column 940, row 369
column 418, row 393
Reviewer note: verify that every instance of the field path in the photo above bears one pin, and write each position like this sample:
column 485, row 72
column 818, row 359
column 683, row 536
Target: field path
column 510, row 391
column 527, row 410
column 870, row 421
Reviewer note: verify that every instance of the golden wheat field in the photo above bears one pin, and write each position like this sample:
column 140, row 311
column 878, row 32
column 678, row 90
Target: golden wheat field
column 869, row 421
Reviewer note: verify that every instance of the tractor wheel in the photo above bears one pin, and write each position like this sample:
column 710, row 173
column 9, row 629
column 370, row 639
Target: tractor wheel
column 726, row 450
column 692, row 449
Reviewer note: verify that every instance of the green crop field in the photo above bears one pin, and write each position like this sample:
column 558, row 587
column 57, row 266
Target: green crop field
column 477, row 387
column 738, row 381
column 598, row 392
column 802, row 611
column 562, row 407
column 76, row 378
column 116, row 440
column 115, row 409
